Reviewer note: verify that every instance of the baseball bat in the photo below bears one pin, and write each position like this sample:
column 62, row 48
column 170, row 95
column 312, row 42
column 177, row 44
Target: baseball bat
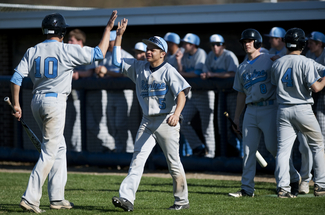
column 259, row 157
column 29, row 131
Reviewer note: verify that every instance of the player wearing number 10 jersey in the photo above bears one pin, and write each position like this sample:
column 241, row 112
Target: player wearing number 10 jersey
column 50, row 66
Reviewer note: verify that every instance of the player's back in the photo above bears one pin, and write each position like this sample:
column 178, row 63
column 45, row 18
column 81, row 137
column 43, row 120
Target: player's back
column 50, row 65
column 293, row 75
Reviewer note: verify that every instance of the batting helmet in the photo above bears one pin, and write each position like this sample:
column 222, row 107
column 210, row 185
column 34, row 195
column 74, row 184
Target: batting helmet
column 192, row 38
column 54, row 24
column 295, row 39
column 252, row 34
column 172, row 37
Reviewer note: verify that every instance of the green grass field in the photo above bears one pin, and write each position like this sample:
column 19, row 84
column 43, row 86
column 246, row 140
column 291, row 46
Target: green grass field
column 92, row 194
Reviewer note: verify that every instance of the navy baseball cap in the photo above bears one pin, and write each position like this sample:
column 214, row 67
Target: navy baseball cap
column 157, row 41
column 317, row 36
column 276, row 32
column 172, row 37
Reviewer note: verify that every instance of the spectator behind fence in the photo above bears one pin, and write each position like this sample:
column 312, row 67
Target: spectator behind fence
column 191, row 65
column 119, row 103
column 78, row 37
column 222, row 63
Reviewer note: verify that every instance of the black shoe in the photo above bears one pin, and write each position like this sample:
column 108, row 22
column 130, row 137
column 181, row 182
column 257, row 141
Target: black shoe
column 123, row 203
column 319, row 191
column 294, row 188
column 199, row 151
column 285, row 194
column 179, row 207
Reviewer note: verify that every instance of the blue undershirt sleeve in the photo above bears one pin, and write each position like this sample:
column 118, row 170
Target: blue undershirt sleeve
column 116, row 58
column 17, row 78
column 98, row 55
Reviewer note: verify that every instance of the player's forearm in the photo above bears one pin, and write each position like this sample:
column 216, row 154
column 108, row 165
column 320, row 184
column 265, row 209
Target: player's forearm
column 15, row 94
column 118, row 40
column 223, row 75
column 104, row 43
column 240, row 105
column 180, row 103
column 318, row 85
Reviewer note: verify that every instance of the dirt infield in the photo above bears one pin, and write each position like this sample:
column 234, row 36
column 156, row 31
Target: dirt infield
column 28, row 167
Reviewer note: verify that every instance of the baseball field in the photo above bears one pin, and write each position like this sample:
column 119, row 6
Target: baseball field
column 91, row 192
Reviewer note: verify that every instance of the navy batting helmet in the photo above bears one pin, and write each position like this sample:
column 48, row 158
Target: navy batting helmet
column 252, row 34
column 54, row 24
column 295, row 39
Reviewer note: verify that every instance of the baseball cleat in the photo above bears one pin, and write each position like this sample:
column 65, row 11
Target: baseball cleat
column 123, row 203
column 304, row 187
column 63, row 204
column 240, row 193
column 179, row 207
column 285, row 194
column 26, row 206
column 294, row 188
column 319, row 191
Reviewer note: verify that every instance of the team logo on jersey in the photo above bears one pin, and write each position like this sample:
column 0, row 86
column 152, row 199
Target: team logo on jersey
column 154, row 89
column 250, row 79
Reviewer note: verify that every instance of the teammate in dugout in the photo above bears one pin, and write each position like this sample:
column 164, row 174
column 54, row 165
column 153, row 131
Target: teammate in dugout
column 161, row 92
column 222, row 63
column 296, row 77
column 50, row 66
column 253, row 83
column 190, row 65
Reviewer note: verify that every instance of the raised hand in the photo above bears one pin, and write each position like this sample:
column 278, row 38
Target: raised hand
column 121, row 26
column 112, row 19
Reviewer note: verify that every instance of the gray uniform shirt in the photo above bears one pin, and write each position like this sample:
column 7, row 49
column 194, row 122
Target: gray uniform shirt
column 281, row 53
column 156, row 91
column 171, row 59
column 254, row 79
column 194, row 63
column 224, row 63
column 293, row 75
column 50, row 65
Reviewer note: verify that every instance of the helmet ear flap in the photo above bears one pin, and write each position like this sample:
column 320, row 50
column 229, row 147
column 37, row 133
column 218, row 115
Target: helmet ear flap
column 257, row 44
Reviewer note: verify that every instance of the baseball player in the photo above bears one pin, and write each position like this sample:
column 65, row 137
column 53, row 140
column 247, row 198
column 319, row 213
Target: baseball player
column 253, row 83
column 161, row 92
column 276, row 36
column 190, row 65
column 118, row 103
column 76, row 36
column 316, row 43
column 222, row 63
column 50, row 66
column 278, row 48
column 296, row 77
column 140, row 51
column 173, row 40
